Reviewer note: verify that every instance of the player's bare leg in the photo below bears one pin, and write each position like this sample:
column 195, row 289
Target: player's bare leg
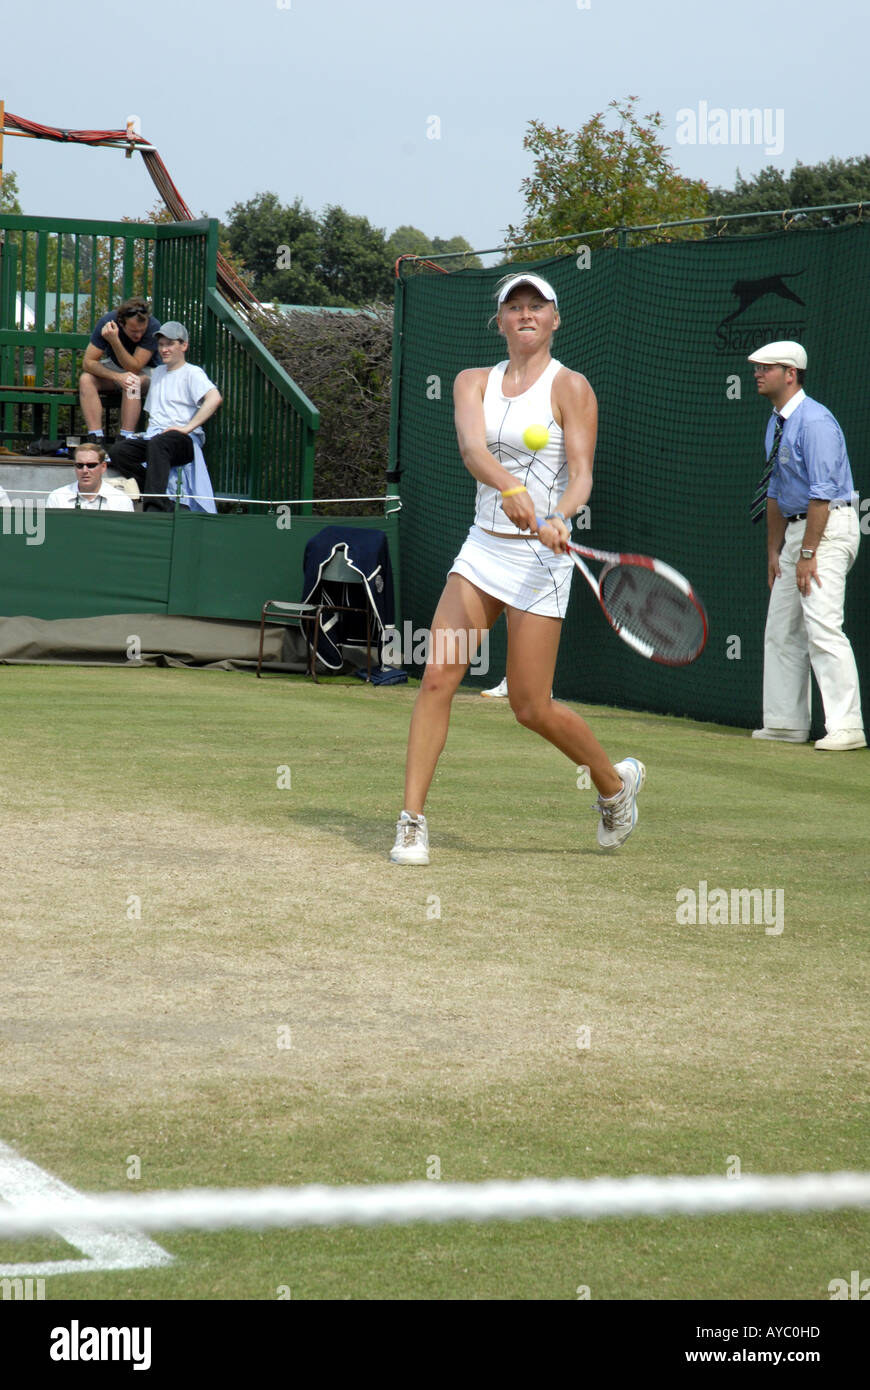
column 462, row 609
column 91, row 400
column 91, row 392
column 533, row 644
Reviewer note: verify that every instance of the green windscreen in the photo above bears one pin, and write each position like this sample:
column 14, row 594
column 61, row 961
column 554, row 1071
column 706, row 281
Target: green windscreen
column 662, row 333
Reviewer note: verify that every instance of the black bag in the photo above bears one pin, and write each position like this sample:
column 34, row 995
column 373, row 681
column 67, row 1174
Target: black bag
column 48, row 448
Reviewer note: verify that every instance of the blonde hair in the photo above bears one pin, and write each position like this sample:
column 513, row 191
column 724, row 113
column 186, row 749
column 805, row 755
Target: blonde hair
column 492, row 322
column 102, row 456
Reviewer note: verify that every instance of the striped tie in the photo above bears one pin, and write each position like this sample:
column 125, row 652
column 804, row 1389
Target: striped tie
column 759, row 501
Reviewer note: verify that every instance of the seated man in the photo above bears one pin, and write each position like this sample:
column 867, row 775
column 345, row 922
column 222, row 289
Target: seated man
column 167, row 462
column 119, row 357
column 89, row 492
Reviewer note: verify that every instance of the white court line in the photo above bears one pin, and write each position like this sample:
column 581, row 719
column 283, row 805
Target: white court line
column 22, row 1181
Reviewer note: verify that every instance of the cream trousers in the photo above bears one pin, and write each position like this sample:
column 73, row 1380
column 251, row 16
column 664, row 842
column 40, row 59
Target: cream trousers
column 806, row 634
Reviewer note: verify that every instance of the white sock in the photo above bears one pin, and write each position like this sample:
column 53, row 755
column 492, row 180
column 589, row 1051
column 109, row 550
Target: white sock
column 616, row 795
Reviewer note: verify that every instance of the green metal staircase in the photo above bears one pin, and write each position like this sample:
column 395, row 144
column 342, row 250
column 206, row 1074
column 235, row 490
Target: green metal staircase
column 58, row 276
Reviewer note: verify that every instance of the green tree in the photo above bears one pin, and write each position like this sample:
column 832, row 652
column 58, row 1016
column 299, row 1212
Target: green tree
column 343, row 363
column 602, row 176
column 289, row 256
column 354, row 265
column 279, row 246
column 407, row 241
column 9, row 193
column 412, row 242
column 807, row 186
column 450, row 246
column 59, row 245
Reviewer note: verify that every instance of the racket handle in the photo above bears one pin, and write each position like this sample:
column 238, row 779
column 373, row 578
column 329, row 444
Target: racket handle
column 541, row 521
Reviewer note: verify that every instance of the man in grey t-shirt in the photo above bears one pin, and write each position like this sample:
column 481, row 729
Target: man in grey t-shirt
column 180, row 400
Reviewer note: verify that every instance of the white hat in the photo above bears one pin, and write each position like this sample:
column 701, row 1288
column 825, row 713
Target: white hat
column 540, row 285
column 783, row 354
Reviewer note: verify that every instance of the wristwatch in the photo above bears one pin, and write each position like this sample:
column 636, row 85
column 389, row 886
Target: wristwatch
column 807, row 554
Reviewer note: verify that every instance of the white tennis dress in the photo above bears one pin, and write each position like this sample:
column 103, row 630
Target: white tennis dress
column 522, row 573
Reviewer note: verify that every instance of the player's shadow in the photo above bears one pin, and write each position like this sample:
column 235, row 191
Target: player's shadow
column 375, row 836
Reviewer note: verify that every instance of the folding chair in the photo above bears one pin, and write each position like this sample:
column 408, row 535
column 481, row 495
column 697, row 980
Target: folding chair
column 337, row 570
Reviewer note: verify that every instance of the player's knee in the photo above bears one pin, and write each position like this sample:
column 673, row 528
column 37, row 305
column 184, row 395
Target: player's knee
column 440, row 680
column 532, row 713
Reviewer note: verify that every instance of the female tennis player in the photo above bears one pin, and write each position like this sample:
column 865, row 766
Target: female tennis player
column 509, row 565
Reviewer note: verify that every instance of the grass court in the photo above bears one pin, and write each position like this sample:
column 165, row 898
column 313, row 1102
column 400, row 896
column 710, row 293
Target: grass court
column 211, row 965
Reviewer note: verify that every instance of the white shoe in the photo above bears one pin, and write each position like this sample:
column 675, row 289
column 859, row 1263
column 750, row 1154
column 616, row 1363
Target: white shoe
column 412, row 840
column 782, row 735
column 842, row 741
column 619, row 814
column 498, row 692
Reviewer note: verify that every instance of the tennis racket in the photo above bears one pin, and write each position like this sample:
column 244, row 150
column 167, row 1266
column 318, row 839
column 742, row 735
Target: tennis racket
column 650, row 605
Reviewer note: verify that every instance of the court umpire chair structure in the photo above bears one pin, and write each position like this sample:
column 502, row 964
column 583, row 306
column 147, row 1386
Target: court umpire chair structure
column 347, row 597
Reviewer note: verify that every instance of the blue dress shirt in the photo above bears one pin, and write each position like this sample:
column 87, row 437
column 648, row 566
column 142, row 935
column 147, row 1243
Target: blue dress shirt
column 812, row 462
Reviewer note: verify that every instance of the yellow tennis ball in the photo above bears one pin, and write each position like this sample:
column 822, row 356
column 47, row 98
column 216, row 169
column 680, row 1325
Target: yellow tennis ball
column 536, row 437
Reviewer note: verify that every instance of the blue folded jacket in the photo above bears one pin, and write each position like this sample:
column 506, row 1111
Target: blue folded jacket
column 384, row 675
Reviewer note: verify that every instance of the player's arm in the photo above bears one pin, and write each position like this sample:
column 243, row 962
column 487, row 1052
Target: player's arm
column 93, row 362
column 806, row 571
column 775, row 539
column 576, row 403
column 818, row 512
column 132, row 361
column 207, row 407
column 822, row 444
column 468, row 390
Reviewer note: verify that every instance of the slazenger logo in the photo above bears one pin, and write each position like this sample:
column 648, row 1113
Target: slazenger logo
column 750, row 336
column 76, row 1343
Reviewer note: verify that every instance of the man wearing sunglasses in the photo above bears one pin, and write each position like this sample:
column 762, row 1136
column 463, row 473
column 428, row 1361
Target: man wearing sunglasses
column 806, row 493
column 90, row 492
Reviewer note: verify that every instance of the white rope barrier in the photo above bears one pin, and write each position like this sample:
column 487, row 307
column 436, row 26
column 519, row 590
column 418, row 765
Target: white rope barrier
column 589, row 1200
column 35, row 493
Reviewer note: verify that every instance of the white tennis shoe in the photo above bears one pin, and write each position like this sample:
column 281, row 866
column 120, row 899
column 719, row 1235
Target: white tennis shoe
column 782, row 735
column 412, row 840
column 619, row 814
column 499, row 692
column 842, row 741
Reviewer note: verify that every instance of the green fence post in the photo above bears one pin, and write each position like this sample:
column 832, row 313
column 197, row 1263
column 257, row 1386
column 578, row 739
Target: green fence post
column 393, row 477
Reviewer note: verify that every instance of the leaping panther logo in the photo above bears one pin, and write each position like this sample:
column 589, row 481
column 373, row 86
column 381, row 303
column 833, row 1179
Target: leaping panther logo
column 749, row 292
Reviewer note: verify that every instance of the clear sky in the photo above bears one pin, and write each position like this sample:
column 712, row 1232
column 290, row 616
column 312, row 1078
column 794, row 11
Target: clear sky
column 332, row 100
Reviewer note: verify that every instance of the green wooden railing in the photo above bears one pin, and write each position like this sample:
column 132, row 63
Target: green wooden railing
column 58, row 276
column 266, row 426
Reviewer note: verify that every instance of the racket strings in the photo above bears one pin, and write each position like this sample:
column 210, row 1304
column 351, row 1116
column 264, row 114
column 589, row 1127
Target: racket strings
column 651, row 609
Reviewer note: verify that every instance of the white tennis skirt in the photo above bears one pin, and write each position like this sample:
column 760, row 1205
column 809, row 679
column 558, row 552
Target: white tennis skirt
column 522, row 573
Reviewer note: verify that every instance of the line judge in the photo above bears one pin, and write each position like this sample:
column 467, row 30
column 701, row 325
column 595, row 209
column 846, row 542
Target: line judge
column 807, row 493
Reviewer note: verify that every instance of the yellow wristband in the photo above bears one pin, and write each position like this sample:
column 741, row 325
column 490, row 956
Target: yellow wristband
column 512, row 491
